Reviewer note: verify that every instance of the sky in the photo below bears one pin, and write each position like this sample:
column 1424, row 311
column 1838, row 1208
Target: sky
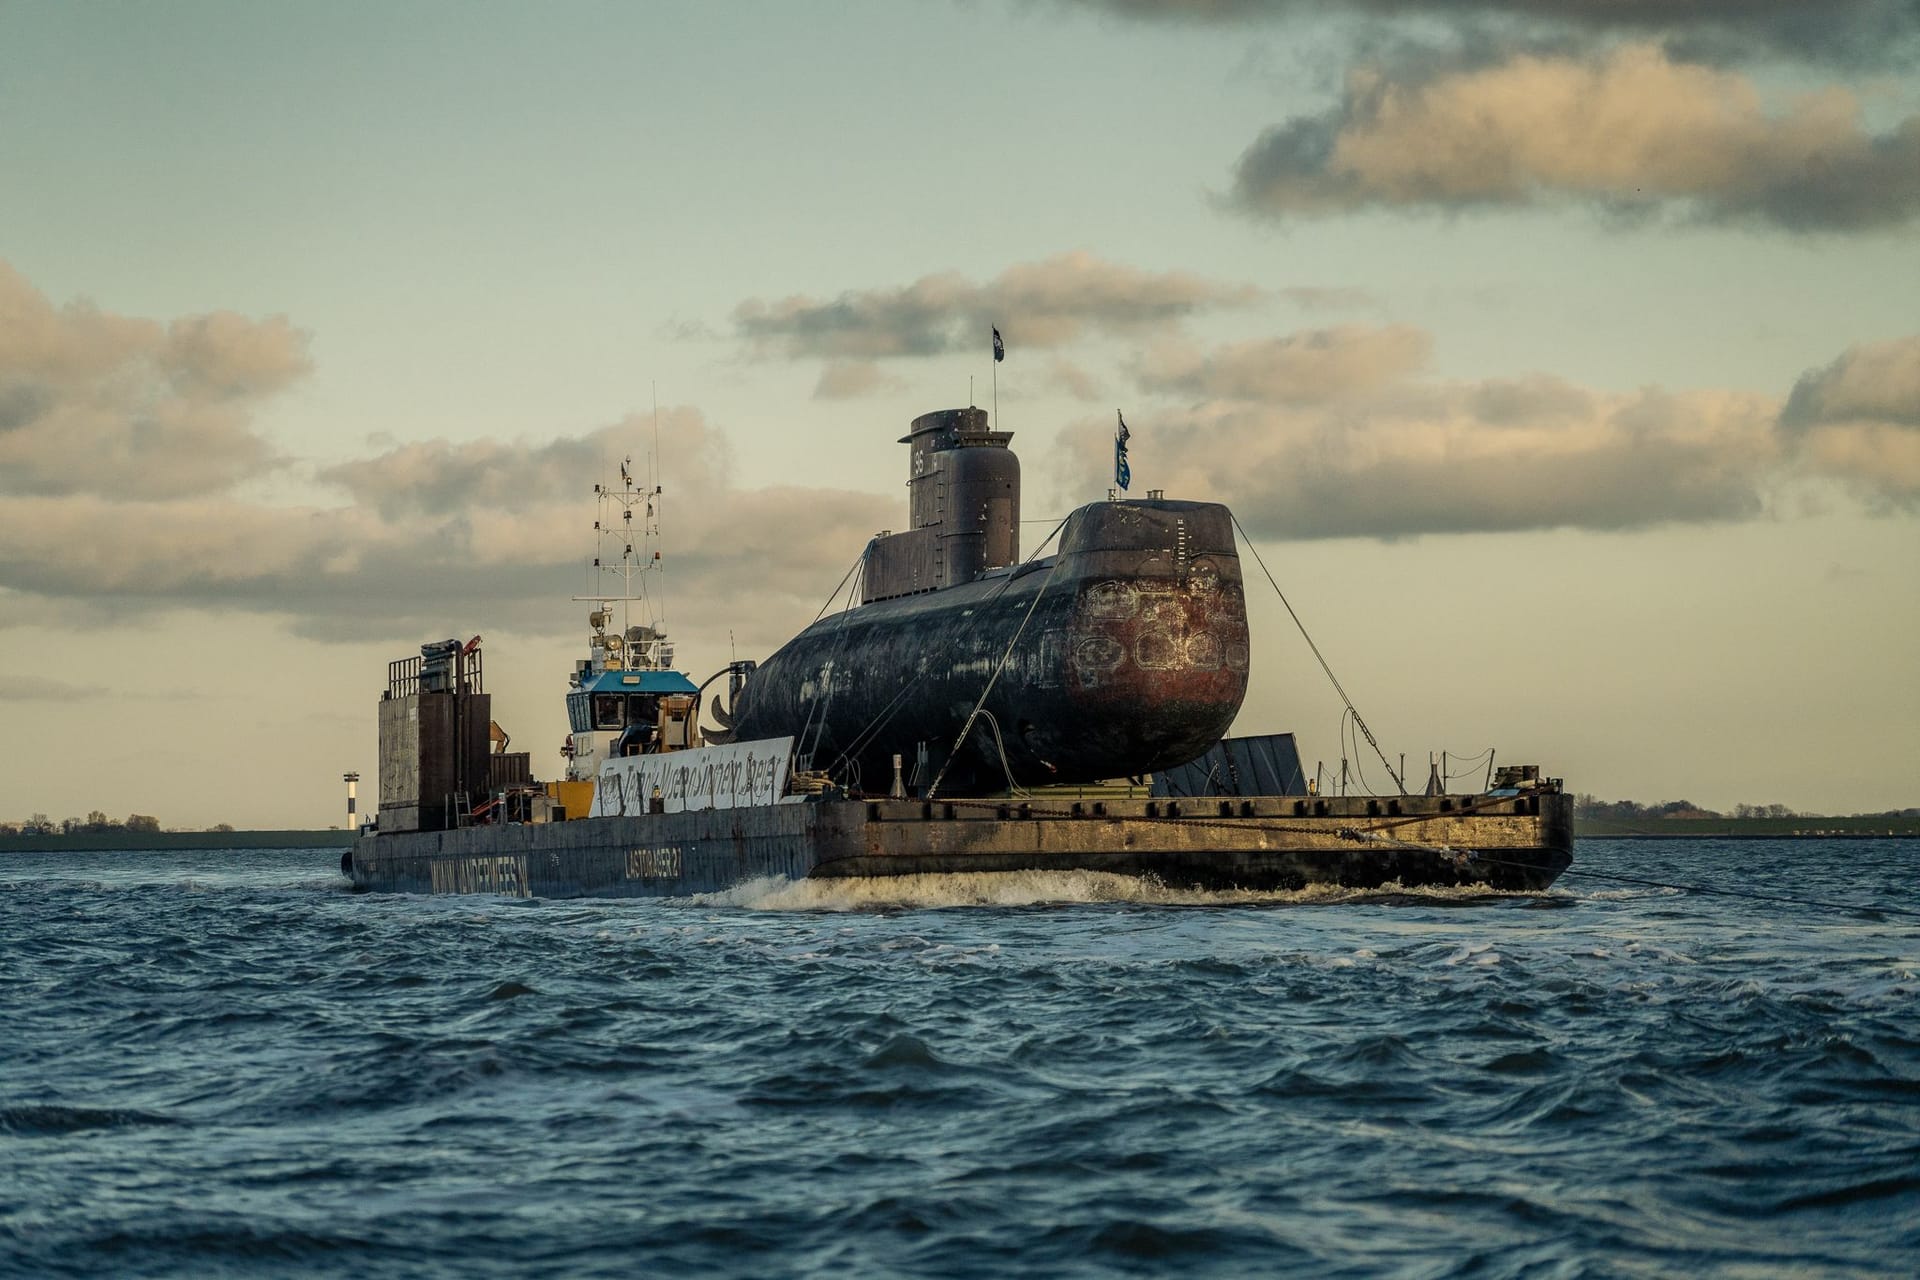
column 1560, row 357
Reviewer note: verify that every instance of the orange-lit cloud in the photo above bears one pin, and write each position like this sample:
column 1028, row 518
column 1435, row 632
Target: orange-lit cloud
column 848, row 379
column 1313, row 365
column 1044, row 304
column 1630, row 130
column 434, row 531
column 123, row 441
column 1337, row 433
column 92, row 402
column 1859, row 419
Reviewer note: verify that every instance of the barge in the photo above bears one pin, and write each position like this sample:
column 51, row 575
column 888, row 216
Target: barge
column 1264, row 843
column 968, row 714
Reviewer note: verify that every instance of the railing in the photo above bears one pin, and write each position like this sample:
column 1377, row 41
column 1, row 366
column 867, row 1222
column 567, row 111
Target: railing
column 649, row 655
column 403, row 677
column 404, row 674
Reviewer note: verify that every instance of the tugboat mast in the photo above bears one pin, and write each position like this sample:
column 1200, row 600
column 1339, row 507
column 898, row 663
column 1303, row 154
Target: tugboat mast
column 626, row 696
column 626, row 550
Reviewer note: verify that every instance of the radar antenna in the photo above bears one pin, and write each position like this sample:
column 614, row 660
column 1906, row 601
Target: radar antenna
column 627, row 570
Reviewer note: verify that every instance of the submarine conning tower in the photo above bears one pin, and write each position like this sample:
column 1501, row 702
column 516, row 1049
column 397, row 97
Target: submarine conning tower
column 963, row 504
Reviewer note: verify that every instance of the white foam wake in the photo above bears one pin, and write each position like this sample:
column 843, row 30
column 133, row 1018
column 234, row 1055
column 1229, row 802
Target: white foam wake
column 1030, row 889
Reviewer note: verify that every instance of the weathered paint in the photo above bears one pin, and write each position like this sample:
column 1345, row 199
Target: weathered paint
column 433, row 745
column 652, row 855
column 720, row 777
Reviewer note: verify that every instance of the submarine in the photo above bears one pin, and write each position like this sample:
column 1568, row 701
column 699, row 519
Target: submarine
column 1122, row 653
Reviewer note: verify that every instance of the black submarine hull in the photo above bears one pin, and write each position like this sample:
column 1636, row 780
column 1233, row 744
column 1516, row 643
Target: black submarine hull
column 1124, row 653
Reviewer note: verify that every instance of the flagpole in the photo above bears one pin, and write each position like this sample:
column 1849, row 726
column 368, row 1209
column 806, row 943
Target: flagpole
column 999, row 353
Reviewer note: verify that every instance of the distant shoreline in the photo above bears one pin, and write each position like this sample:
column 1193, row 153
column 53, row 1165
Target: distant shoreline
column 1595, row 834
column 124, row 841
column 1801, row 828
column 1583, row 829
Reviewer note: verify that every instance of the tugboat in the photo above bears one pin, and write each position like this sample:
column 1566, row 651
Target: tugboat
column 951, row 721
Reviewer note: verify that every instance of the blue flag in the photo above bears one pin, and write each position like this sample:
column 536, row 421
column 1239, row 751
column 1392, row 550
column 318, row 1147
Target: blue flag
column 1122, row 473
column 999, row 347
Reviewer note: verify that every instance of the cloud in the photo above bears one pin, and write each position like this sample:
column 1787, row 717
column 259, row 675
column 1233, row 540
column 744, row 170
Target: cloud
column 121, row 439
column 1323, row 298
column 437, row 478
column 436, row 535
column 42, row 689
column 1858, row 419
column 1629, row 130
column 849, row 379
column 1432, row 463
column 1853, row 32
column 1308, row 367
column 1338, row 433
column 1324, row 432
column 1874, row 381
column 223, row 356
column 1045, row 304
column 92, row 402
column 1071, row 379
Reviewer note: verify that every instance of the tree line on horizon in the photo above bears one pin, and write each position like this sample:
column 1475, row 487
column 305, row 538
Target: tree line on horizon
column 95, row 823
column 1592, row 807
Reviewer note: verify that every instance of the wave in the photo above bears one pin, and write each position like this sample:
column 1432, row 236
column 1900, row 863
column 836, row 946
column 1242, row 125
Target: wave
column 963, row 1075
column 48, row 1119
column 1054, row 888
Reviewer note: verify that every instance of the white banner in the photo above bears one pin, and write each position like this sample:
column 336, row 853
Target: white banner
column 736, row 776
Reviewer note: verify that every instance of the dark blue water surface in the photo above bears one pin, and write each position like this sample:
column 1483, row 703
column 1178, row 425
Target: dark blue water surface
column 226, row 1064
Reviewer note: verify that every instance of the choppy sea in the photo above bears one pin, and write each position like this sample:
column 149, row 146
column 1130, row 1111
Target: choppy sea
column 225, row 1064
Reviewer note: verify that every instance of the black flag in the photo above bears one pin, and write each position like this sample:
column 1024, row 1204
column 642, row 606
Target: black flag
column 1122, row 473
column 999, row 348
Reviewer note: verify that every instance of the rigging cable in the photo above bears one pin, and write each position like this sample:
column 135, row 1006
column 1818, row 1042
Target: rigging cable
column 967, row 728
column 1013, row 788
column 656, row 465
column 851, row 570
column 1359, row 770
column 885, row 715
column 1473, row 761
column 826, row 697
column 1316, row 653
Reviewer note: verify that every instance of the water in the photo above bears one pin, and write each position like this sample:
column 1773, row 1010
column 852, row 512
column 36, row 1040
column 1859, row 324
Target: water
column 225, row 1064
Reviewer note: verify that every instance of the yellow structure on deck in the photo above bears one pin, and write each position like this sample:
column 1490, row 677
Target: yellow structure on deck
column 573, row 799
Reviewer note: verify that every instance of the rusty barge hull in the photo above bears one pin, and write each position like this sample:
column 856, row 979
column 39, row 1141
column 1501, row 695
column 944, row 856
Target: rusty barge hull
column 1260, row 843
